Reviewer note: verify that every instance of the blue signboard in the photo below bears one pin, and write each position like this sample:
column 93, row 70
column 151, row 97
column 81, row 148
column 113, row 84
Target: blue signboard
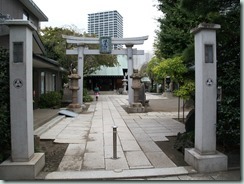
column 105, row 45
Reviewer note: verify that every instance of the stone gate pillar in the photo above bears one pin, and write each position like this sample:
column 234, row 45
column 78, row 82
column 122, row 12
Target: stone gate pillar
column 24, row 163
column 80, row 72
column 204, row 156
column 130, row 72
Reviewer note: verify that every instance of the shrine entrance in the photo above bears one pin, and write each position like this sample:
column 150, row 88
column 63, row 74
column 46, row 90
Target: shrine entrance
column 105, row 47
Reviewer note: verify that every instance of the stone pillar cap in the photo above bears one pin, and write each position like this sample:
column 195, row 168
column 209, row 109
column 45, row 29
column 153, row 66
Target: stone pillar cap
column 204, row 25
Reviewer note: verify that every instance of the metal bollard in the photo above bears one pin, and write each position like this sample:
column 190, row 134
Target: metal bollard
column 115, row 142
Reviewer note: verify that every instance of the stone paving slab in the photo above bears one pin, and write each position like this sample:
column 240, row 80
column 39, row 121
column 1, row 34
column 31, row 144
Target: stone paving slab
column 70, row 163
column 109, row 152
column 75, row 150
column 198, row 177
column 108, row 140
column 95, row 130
column 93, row 161
column 148, row 146
column 137, row 159
column 125, row 136
column 97, row 136
column 159, row 138
column 70, row 141
column 169, row 178
column 159, row 129
column 119, row 174
column 159, row 159
column 116, row 164
column 94, row 146
column 130, row 145
column 141, row 137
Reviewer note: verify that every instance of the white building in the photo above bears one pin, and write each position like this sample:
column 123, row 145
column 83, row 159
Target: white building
column 139, row 60
column 109, row 23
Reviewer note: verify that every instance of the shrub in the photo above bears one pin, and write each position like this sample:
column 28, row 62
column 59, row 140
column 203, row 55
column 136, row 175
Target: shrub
column 51, row 99
column 184, row 140
column 186, row 91
column 86, row 96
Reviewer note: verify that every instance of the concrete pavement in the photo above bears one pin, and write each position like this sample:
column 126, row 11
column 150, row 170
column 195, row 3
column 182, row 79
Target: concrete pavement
column 90, row 138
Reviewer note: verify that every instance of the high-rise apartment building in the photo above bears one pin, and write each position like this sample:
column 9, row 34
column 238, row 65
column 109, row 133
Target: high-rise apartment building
column 109, row 23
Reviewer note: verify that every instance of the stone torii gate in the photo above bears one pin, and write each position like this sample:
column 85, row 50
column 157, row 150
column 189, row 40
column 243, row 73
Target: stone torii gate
column 105, row 48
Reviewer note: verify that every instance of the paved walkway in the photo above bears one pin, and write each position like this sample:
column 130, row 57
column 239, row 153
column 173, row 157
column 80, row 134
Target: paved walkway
column 90, row 138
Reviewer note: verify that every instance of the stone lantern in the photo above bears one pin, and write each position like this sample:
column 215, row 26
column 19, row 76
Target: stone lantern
column 124, row 84
column 74, row 77
column 136, row 106
column 136, row 84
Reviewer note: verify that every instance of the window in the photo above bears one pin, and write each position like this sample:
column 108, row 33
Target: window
column 26, row 16
column 53, row 82
column 208, row 53
column 43, row 82
column 18, row 52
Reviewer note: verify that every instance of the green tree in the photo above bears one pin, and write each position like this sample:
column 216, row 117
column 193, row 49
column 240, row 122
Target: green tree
column 186, row 91
column 173, row 36
column 56, row 47
column 172, row 67
column 149, row 70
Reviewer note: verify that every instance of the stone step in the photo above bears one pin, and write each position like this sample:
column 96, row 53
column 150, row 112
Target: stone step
column 39, row 131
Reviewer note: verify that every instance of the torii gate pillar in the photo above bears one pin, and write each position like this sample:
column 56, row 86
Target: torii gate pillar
column 130, row 72
column 80, row 72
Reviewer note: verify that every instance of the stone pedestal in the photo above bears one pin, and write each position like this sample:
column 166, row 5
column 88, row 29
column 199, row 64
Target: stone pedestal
column 206, row 163
column 204, row 156
column 10, row 170
column 136, row 108
column 24, row 163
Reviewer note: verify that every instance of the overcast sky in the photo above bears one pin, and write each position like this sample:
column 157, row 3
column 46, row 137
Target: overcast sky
column 138, row 15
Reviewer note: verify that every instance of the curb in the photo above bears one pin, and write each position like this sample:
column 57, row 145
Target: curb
column 39, row 131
